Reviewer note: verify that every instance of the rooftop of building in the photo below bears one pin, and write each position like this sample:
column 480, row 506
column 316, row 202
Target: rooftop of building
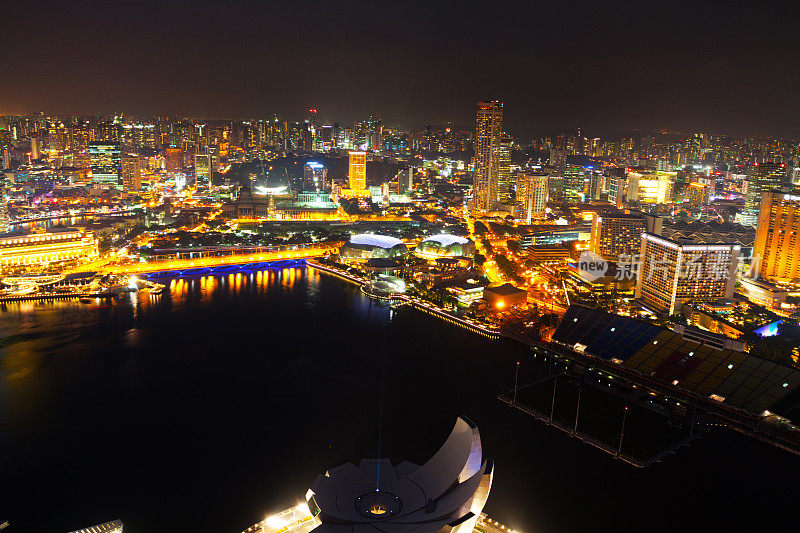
column 446, row 239
column 506, row 289
column 371, row 239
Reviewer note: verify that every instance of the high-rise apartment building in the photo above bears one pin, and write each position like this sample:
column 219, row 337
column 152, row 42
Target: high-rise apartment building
column 776, row 251
column 173, row 159
column 405, row 181
column 616, row 235
column 761, row 177
column 358, row 171
column 532, row 194
column 315, row 177
column 504, row 179
column 105, row 163
column 488, row 129
column 202, row 169
column 671, row 273
column 131, row 172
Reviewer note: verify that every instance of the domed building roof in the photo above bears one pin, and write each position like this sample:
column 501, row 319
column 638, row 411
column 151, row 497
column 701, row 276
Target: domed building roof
column 366, row 246
column 445, row 245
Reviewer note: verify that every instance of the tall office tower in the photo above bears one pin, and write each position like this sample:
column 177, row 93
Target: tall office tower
column 575, row 184
column 761, row 177
column 34, row 148
column 4, row 218
column 131, row 172
column 173, row 158
column 596, row 184
column 532, row 194
column 202, row 169
column 555, row 188
column 6, row 158
column 504, row 180
column 776, row 251
column 358, row 171
column 487, row 146
column 315, row 177
column 105, row 163
column 558, row 154
column 617, row 190
column 405, row 181
column 697, row 194
column 671, row 273
column 326, row 138
column 616, row 234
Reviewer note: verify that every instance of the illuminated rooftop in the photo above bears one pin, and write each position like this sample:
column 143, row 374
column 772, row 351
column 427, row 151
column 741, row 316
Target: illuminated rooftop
column 446, row 240
column 369, row 239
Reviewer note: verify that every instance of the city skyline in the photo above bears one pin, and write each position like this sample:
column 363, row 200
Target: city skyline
column 680, row 67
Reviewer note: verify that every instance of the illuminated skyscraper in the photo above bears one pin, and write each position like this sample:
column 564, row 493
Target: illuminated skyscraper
column 575, row 184
column 202, row 169
column 776, row 251
column 105, row 161
column 616, row 234
column 34, row 148
column 358, row 171
column 488, row 128
column 504, row 181
column 131, row 172
column 315, row 177
column 405, row 180
column 532, row 193
column 173, row 159
column 761, row 177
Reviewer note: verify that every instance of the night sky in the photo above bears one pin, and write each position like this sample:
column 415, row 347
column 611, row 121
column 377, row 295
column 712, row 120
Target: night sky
column 600, row 66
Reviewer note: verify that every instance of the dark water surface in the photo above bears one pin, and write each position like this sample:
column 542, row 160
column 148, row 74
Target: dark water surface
column 209, row 407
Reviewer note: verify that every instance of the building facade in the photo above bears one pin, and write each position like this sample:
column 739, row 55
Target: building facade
column 131, row 172
column 50, row 247
column 671, row 273
column 761, row 177
column 532, row 194
column 488, row 129
column 315, row 177
column 105, row 163
column 358, row 171
column 616, row 235
column 776, row 251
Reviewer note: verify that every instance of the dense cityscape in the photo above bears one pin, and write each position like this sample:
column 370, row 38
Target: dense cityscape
column 199, row 314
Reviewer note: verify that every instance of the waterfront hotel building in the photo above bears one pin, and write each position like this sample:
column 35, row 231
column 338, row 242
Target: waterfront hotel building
column 616, row 234
column 776, row 251
column 672, row 272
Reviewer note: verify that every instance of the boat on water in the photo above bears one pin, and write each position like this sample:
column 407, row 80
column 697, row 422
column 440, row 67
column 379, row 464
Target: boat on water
column 157, row 290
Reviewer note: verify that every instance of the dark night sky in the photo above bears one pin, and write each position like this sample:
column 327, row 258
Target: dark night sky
column 604, row 66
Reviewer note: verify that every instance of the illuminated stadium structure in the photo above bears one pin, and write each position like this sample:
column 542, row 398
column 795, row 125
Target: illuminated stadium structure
column 365, row 246
column 446, row 494
column 444, row 245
